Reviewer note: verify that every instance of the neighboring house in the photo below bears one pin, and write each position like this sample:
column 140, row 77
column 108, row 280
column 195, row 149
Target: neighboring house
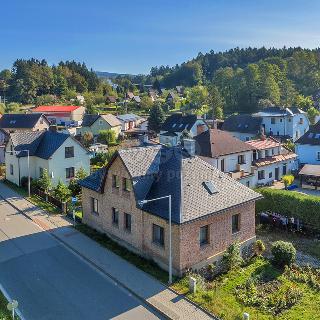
column 284, row 122
column 61, row 115
column 172, row 128
column 96, row 122
column 4, row 137
column 129, row 95
column 111, row 99
column 243, row 126
column 272, row 160
column 228, row 154
column 136, row 99
column 210, row 210
column 130, row 121
column 170, row 97
column 59, row 153
column 281, row 123
column 310, row 176
column 24, row 122
column 308, row 146
column 180, row 90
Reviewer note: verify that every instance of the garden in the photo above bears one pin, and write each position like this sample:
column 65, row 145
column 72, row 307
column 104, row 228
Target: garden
column 264, row 288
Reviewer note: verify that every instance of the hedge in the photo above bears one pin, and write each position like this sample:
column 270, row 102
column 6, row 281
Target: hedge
column 291, row 204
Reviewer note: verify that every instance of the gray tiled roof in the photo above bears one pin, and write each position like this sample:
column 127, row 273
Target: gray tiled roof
column 159, row 171
column 245, row 123
column 312, row 136
column 90, row 119
column 178, row 122
column 42, row 144
column 28, row 121
column 95, row 180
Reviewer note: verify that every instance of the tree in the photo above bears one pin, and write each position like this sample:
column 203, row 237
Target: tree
column 156, row 118
column 215, row 102
column 44, row 182
column 107, row 136
column 61, row 192
column 232, row 259
column 87, row 138
column 302, row 102
column 197, row 96
column 312, row 114
column 74, row 186
column 146, row 103
column 284, row 253
column 259, row 247
column 287, row 180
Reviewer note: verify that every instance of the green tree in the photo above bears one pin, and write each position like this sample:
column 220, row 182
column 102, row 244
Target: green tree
column 74, row 186
column 44, row 182
column 87, row 138
column 215, row 102
column 156, row 118
column 197, row 96
column 287, row 180
column 146, row 103
column 107, row 136
column 61, row 192
column 302, row 102
column 312, row 114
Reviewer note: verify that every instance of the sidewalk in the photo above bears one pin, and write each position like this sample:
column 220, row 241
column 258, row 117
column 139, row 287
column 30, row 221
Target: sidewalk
column 169, row 303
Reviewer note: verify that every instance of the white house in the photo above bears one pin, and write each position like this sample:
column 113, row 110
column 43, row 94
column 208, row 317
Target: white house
column 228, row 154
column 281, row 123
column 174, row 125
column 308, row 146
column 284, row 122
column 130, row 121
column 271, row 160
column 59, row 153
column 4, row 136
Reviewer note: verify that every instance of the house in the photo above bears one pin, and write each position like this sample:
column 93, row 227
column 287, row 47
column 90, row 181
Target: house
column 59, row 153
column 180, row 90
column 61, row 115
column 136, row 99
column 284, row 122
column 11, row 122
column 170, row 98
column 272, row 160
column 111, row 99
column 130, row 95
column 4, row 137
column 96, row 122
column 281, row 123
column 243, row 126
column 176, row 124
column 209, row 209
column 130, row 121
column 310, row 176
column 308, row 146
column 227, row 153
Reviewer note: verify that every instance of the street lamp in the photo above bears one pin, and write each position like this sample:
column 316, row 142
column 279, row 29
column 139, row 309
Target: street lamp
column 141, row 203
column 28, row 161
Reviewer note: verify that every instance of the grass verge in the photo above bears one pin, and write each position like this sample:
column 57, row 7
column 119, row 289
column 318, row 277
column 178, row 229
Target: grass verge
column 147, row 266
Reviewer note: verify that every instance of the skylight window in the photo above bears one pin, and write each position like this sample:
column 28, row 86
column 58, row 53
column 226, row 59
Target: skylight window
column 210, row 187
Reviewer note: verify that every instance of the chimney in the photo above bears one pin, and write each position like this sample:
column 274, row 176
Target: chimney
column 190, row 146
column 53, row 128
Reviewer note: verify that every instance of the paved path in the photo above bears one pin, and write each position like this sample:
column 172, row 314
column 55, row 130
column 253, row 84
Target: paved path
column 134, row 280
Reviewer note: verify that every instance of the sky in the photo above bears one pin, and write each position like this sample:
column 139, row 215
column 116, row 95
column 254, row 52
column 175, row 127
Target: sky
column 131, row 36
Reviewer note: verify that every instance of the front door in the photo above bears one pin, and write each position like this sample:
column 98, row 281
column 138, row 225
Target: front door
column 276, row 173
column 222, row 165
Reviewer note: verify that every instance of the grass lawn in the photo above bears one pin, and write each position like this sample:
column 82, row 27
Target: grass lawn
column 143, row 264
column 223, row 299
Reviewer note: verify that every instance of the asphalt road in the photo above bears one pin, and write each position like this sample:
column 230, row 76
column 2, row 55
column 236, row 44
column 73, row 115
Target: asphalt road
column 51, row 282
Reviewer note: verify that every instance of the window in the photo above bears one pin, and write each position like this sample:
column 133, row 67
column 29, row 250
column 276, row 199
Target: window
column 158, row 235
column 241, row 159
column 69, row 152
column 289, row 119
column 41, row 172
column 126, row 184
column 204, row 235
column 115, row 181
column 301, row 121
column 41, row 121
column 127, row 221
column 270, row 174
column 284, row 169
column 273, row 120
column 248, row 184
column 222, row 165
column 115, row 216
column 235, row 223
column 94, row 206
column 100, row 122
column 247, row 138
column 11, row 169
column 70, row 172
column 280, row 119
column 261, row 175
column 318, row 155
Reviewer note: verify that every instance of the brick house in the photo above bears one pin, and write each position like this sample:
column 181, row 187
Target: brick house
column 210, row 210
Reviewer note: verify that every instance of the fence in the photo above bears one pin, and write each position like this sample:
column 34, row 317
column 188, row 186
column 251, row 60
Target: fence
column 62, row 206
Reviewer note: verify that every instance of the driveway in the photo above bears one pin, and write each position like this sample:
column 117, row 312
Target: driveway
column 51, row 282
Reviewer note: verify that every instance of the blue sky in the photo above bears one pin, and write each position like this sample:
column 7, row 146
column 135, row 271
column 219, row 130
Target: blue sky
column 131, row 36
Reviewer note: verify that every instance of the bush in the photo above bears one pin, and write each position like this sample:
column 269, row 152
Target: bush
column 284, row 253
column 232, row 257
column 259, row 248
column 24, row 182
column 290, row 203
column 287, row 180
column 108, row 136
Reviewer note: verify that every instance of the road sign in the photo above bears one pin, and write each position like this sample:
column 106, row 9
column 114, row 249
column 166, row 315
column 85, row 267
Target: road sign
column 74, row 199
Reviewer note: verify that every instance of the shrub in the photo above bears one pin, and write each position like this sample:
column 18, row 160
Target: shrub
column 287, row 180
column 284, row 253
column 24, row 182
column 290, row 203
column 107, row 136
column 259, row 248
column 232, row 257
column 61, row 192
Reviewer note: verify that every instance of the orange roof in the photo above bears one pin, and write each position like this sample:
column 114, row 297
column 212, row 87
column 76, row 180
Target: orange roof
column 274, row 159
column 55, row 108
column 261, row 144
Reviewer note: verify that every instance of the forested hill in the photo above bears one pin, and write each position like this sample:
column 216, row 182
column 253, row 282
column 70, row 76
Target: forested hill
column 246, row 76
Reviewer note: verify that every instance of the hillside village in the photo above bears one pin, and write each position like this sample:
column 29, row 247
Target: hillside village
column 202, row 191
